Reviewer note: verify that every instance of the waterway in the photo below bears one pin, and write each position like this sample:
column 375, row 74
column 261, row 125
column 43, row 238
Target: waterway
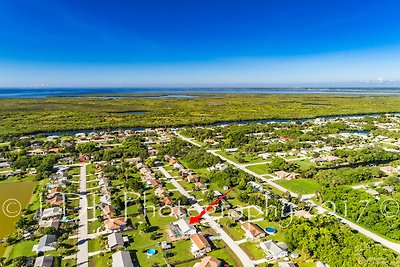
column 184, row 92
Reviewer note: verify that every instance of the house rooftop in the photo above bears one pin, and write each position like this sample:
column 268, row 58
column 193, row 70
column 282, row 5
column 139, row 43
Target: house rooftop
column 209, row 261
column 115, row 239
column 122, row 259
column 200, row 241
column 44, row 261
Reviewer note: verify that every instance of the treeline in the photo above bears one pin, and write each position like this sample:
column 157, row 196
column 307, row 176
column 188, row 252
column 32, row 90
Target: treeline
column 346, row 176
column 377, row 215
column 279, row 164
column 43, row 164
column 230, row 177
column 199, row 158
column 193, row 156
column 336, row 244
column 366, row 155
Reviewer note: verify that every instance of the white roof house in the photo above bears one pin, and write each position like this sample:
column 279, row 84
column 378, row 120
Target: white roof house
column 51, row 212
column 122, row 259
column 106, row 199
column 274, row 249
column 185, row 227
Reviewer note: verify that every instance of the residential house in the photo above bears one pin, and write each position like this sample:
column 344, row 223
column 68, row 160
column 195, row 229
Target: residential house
column 56, row 201
column 51, row 213
column 108, row 211
column 303, row 213
column 275, row 250
column 122, row 259
column 182, row 228
column 103, row 182
column 49, row 223
column 193, row 178
column 132, row 161
column 178, row 166
column 323, row 159
column 46, row 243
column 161, row 192
column 388, row 170
column 37, row 152
column 117, row 224
column 252, row 230
column 44, row 261
column 172, row 161
column 5, row 164
column 105, row 200
column 286, row 264
column 200, row 245
column 372, row 192
column 200, row 185
column 209, row 261
column 115, row 241
column 54, row 150
column 184, row 173
column 105, row 190
column 167, row 201
column 178, row 212
column 389, row 189
column 154, row 183
column 287, row 175
column 236, row 215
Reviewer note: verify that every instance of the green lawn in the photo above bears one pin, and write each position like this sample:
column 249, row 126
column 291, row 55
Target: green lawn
column 23, row 248
column 259, row 168
column 306, row 264
column 300, row 186
column 253, row 250
column 95, row 245
column 304, row 164
column 248, row 158
column 101, row 260
column 223, row 252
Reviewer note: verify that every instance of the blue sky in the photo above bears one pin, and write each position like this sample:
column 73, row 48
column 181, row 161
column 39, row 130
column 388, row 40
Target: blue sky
column 197, row 43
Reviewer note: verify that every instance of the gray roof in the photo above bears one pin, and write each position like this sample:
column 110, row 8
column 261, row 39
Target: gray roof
column 44, row 261
column 275, row 248
column 51, row 212
column 122, row 259
column 286, row 264
column 45, row 241
column 115, row 239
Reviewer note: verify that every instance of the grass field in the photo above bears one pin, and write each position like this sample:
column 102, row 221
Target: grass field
column 259, row 168
column 19, row 116
column 20, row 249
column 300, row 186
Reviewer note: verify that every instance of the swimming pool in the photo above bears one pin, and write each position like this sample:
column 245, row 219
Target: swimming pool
column 151, row 252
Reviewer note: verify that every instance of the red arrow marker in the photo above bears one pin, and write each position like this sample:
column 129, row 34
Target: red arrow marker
column 197, row 218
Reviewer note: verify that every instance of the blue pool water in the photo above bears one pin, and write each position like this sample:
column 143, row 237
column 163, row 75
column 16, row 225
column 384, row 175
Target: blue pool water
column 151, row 252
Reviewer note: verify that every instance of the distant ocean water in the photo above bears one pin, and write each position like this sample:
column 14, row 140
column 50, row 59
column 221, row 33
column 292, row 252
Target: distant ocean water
column 183, row 92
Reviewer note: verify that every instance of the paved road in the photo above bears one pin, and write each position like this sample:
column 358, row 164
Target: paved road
column 376, row 238
column 83, row 249
column 244, row 258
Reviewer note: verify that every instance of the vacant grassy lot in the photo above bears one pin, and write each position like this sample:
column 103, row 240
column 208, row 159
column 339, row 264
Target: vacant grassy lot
column 300, row 186
column 259, row 168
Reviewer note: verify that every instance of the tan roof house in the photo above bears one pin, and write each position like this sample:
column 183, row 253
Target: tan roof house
column 252, row 230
